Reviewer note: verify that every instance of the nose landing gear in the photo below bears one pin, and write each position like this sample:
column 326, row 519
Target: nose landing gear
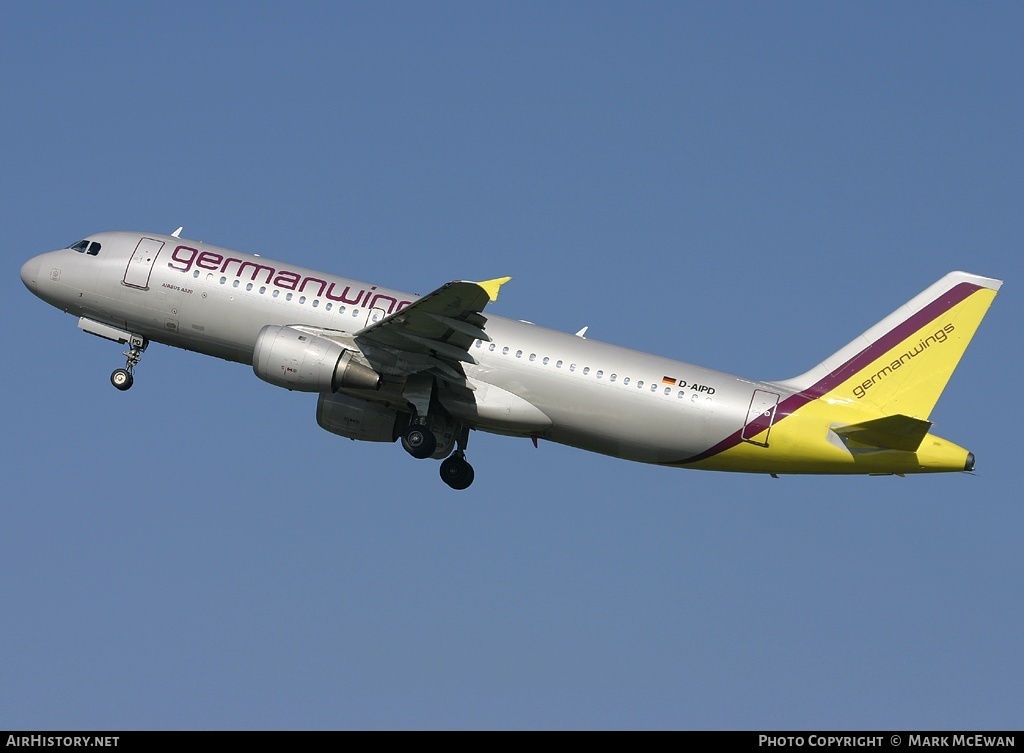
column 124, row 378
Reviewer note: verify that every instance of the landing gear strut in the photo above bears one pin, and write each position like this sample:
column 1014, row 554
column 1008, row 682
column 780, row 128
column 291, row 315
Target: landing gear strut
column 455, row 471
column 420, row 442
column 123, row 379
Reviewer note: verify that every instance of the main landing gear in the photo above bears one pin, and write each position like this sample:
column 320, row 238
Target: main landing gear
column 456, row 472
column 123, row 379
column 420, row 442
column 419, row 439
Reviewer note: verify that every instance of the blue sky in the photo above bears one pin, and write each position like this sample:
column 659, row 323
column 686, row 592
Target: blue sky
column 746, row 186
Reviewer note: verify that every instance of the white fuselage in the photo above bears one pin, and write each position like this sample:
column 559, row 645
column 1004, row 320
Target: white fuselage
column 597, row 396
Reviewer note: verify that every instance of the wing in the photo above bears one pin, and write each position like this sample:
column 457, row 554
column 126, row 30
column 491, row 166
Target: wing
column 433, row 333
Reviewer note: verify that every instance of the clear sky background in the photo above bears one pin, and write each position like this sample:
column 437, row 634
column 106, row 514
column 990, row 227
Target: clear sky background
column 746, row 186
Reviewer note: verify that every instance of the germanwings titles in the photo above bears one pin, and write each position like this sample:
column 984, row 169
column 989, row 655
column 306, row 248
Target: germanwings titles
column 388, row 366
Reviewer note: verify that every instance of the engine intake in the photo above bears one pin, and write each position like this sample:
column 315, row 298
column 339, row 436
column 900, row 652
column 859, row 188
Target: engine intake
column 296, row 360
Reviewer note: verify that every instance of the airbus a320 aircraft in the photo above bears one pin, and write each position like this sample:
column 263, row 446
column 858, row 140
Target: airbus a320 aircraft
column 426, row 370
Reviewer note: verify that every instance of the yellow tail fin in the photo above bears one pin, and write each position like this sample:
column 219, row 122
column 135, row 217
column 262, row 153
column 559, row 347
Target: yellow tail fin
column 902, row 364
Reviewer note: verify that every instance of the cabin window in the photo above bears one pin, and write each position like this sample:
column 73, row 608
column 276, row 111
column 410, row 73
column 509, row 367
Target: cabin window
column 533, row 356
column 276, row 293
column 302, row 299
column 519, row 354
column 329, row 306
column 504, row 351
column 248, row 286
column 558, row 364
column 625, row 380
column 572, row 367
column 491, row 347
column 600, row 373
column 668, row 390
column 586, row 370
column 316, row 302
column 654, row 387
column 196, row 273
column 640, row 384
column 611, row 378
column 263, row 289
column 288, row 296
column 546, row 360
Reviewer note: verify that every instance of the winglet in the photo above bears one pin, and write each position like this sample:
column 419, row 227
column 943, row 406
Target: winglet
column 491, row 287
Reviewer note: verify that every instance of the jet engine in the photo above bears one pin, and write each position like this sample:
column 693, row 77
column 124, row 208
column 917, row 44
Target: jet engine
column 359, row 419
column 297, row 360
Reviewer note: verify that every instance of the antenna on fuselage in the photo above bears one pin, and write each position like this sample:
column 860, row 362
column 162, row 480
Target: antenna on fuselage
column 582, row 333
column 177, row 233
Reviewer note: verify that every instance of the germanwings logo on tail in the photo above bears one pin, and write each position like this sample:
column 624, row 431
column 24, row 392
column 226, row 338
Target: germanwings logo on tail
column 940, row 336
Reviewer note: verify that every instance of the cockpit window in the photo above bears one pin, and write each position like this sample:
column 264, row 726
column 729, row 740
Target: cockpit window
column 86, row 247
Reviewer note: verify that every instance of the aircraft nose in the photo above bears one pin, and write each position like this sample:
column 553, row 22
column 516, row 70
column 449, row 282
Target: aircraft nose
column 30, row 272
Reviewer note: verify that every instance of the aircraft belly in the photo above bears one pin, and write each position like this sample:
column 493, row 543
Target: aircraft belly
column 488, row 406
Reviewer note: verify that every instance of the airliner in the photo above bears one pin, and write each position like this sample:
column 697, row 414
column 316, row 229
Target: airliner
column 426, row 370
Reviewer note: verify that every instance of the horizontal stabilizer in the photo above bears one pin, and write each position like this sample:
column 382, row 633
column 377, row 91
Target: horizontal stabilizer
column 889, row 433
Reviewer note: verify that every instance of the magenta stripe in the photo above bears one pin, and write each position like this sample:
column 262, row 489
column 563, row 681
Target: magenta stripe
column 833, row 379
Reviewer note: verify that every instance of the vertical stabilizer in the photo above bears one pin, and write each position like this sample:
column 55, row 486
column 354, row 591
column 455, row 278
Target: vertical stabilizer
column 902, row 364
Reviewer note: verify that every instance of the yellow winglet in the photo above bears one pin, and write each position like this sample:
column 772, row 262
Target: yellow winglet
column 491, row 287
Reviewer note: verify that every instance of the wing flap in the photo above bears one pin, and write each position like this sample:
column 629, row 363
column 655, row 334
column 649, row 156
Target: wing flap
column 442, row 326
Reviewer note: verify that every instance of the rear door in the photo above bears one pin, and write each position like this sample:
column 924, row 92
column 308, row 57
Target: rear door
column 760, row 416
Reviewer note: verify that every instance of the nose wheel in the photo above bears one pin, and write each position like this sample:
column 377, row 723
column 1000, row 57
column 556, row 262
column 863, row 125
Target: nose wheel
column 123, row 379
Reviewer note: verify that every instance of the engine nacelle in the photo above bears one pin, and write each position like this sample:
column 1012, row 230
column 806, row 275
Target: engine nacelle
column 359, row 419
column 296, row 360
